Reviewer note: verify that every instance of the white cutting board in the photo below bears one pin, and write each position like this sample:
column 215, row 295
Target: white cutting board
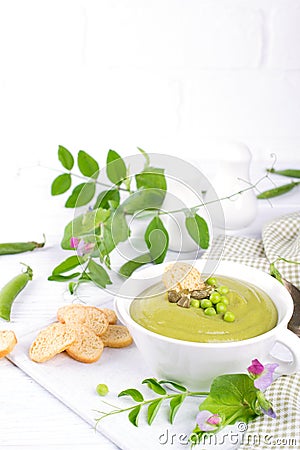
column 74, row 384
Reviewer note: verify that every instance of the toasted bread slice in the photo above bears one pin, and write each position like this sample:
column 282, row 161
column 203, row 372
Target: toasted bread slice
column 182, row 276
column 54, row 339
column 89, row 316
column 88, row 347
column 7, row 342
column 111, row 315
column 116, row 336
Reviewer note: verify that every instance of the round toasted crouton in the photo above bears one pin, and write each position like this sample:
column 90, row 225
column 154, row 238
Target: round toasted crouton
column 89, row 316
column 181, row 276
column 87, row 347
column 8, row 341
column 116, row 336
column 50, row 341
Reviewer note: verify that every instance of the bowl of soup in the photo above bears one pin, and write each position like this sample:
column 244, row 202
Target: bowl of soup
column 187, row 345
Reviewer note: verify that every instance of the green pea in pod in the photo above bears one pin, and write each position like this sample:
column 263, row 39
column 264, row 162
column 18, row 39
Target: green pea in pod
column 10, row 291
column 275, row 192
column 12, row 248
column 292, row 173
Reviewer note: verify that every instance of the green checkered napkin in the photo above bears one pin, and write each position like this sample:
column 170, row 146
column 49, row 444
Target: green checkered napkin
column 281, row 237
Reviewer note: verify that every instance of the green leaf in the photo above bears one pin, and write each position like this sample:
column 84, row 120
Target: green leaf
column 177, row 386
column 143, row 199
column 153, row 409
column 133, row 393
column 119, row 227
column 98, row 274
column 63, row 277
column 175, row 404
column 81, row 195
column 84, row 225
column 69, row 264
column 88, row 166
column 65, row 157
column 130, row 266
column 154, row 385
column 146, row 156
column 157, row 240
column 134, row 415
column 152, row 177
column 233, row 396
column 198, row 230
column 115, row 168
column 61, row 184
column 105, row 199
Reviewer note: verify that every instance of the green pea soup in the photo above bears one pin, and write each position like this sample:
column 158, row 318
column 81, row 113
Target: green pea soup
column 255, row 314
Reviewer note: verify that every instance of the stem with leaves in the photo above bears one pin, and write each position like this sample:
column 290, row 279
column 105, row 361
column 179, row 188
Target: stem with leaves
column 154, row 404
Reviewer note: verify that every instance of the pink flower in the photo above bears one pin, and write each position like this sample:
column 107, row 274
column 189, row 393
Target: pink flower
column 84, row 248
column 74, row 241
column 262, row 375
column 207, row 421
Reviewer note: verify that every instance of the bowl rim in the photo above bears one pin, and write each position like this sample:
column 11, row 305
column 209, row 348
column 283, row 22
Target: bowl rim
column 122, row 311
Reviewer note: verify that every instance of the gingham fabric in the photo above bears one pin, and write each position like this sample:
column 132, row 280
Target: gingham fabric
column 280, row 238
column 283, row 432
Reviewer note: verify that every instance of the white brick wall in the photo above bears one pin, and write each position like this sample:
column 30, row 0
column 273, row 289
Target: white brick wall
column 166, row 75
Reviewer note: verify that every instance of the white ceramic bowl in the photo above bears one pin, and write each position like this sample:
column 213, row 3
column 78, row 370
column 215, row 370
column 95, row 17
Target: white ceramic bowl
column 196, row 364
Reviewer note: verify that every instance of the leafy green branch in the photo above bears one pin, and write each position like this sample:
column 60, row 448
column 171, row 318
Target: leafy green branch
column 232, row 398
column 154, row 404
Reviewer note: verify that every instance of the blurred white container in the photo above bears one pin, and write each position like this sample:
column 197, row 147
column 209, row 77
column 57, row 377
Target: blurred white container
column 231, row 176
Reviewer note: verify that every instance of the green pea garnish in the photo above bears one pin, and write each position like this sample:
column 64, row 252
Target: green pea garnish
column 221, row 308
column 102, row 390
column 210, row 311
column 195, row 303
column 205, row 303
column 223, row 290
column 211, row 281
column 229, row 316
column 215, row 297
column 224, row 299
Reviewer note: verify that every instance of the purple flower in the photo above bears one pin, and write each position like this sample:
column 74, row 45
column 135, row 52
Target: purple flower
column 74, row 241
column 208, row 421
column 263, row 375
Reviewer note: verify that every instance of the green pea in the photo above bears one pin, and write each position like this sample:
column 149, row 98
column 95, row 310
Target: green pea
column 211, row 281
column 195, row 303
column 215, row 297
column 210, row 311
column 10, row 291
column 205, row 303
column 223, row 290
column 221, row 308
column 224, row 300
column 229, row 316
column 102, row 390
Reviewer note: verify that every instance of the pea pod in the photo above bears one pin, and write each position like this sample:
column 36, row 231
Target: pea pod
column 10, row 291
column 275, row 192
column 12, row 248
column 293, row 173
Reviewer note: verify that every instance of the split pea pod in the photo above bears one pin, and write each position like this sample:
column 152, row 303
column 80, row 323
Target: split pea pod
column 10, row 291
column 292, row 173
column 280, row 190
column 12, row 248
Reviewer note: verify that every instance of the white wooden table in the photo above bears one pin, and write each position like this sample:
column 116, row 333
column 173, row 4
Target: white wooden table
column 30, row 417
